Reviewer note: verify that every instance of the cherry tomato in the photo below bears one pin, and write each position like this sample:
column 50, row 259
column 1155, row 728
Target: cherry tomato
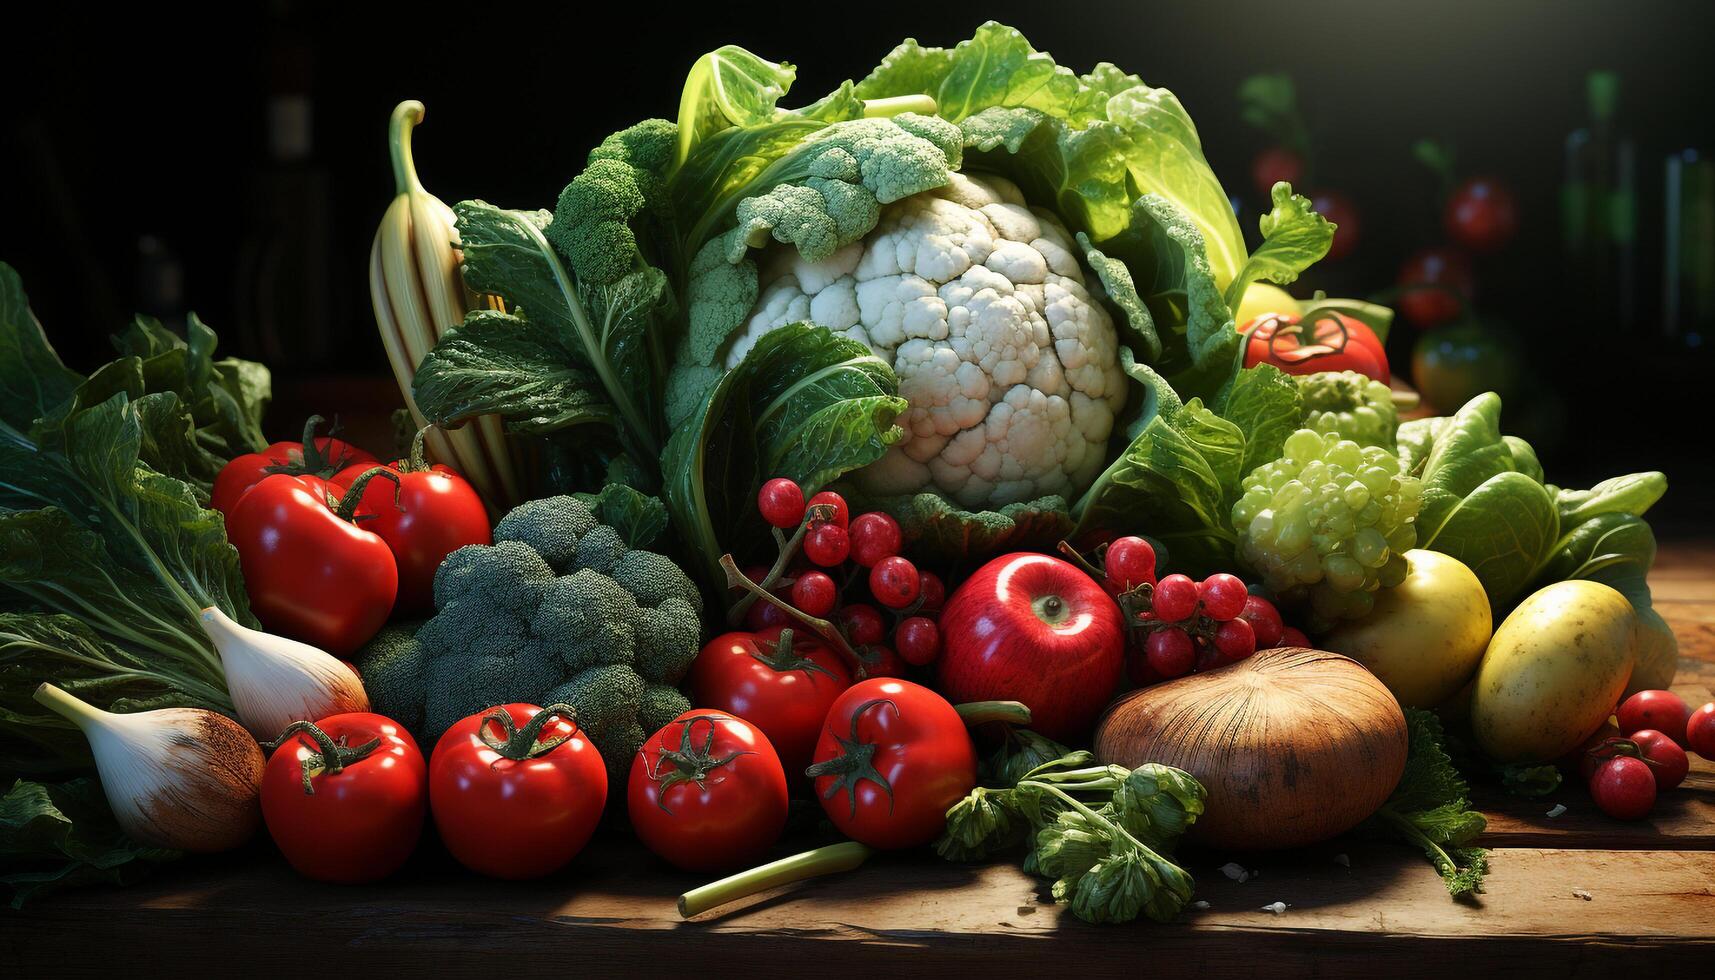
column 1481, row 214
column 1276, row 164
column 1339, row 209
column 707, row 792
column 317, row 456
column 1265, row 621
column 881, row 661
column 894, row 582
column 1663, row 711
column 427, row 515
column 842, row 514
column 1235, row 640
column 814, row 593
column 861, row 624
column 1334, row 342
column 1292, row 636
column 918, row 640
column 874, row 536
column 344, row 797
column 933, row 592
column 1174, row 599
column 1623, row 788
column 827, row 544
column 1435, row 286
column 1700, row 731
column 1666, row 759
column 1223, row 596
column 1169, row 652
column 1129, row 563
column 781, row 503
column 892, row 758
column 764, row 615
column 517, row 790
column 780, row 680
column 312, row 573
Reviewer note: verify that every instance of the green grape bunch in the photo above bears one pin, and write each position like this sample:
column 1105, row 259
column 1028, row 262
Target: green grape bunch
column 1328, row 524
column 1351, row 405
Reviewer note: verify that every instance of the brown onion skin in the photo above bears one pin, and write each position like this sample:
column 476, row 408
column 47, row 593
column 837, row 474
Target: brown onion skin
column 1294, row 746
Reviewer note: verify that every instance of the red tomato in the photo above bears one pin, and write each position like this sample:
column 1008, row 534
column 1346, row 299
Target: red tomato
column 343, row 798
column 318, row 456
column 311, row 572
column 1339, row 209
column 1666, row 759
column 1335, row 343
column 1700, row 731
column 1624, row 788
column 707, row 792
column 430, row 513
column 1664, row 711
column 517, row 791
column 1273, row 165
column 782, row 684
column 1435, row 286
column 1481, row 214
column 892, row 758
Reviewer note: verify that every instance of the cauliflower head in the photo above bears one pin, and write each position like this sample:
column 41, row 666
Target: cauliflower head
column 997, row 334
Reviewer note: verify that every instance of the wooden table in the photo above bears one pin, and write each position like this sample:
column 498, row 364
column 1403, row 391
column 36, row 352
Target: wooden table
column 1571, row 896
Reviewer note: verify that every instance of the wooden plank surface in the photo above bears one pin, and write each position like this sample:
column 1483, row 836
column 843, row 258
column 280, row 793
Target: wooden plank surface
column 1570, row 896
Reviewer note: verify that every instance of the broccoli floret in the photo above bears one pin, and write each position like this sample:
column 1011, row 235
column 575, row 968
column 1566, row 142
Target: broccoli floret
column 509, row 629
column 508, row 575
column 589, row 619
column 659, row 705
column 552, row 526
column 652, row 145
column 601, row 549
column 391, row 666
column 592, row 224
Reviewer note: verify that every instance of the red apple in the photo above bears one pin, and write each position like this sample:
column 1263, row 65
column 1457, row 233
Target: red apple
column 1032, row 628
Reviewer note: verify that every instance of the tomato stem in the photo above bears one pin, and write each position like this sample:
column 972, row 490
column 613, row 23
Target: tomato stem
column 520, row 744
column 331, row 757
column 845, row 856
column 417, row 461
column 347, row 508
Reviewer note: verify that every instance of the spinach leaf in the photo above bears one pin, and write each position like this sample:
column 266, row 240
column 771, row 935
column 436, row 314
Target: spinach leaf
column 56, row 836
column 940, row 531
column 1431, row 809
column 32, row 379
column 639, row 518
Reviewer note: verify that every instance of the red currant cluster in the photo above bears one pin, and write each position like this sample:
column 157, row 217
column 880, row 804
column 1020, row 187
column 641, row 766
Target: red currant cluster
column 831, row 555
column 1177, row 625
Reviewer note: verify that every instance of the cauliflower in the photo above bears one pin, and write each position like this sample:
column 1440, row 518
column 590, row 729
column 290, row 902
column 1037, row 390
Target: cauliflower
column 1001, row 345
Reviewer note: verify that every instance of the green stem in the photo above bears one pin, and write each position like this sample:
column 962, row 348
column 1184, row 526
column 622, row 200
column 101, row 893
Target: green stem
column 331, row 757
column 347, row 508
column 834, row 858
column 522, row 744
column 826, row 631
column 406, row 116
column 974, row 713
column 788, row 549
column 68, row 706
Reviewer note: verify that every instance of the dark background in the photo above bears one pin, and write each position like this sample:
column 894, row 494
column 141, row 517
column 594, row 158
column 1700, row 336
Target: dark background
column 137, row 173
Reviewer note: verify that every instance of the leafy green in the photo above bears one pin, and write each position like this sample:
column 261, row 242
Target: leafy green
column 1431, row 809
column 938, row 530
column 1293, row 237
column 63, row 835
column 1104, row 833
column 32, row 379
column 806, row 404
column 640, row 519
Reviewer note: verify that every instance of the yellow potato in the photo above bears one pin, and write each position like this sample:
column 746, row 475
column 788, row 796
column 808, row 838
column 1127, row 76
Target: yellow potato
column 1553, row 672
column 1425, row 636
column 1260, row 298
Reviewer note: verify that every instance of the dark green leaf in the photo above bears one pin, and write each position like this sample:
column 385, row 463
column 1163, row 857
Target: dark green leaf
column 32, row 379
column 57, row 836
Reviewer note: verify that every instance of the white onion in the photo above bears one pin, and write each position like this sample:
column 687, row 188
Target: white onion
column 275, row 681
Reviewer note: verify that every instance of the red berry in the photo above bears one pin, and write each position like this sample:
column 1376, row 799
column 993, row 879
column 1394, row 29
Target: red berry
column 1235, row 639
column 1435, row 286
column 762, row 615
column 814, row 593
column 827, row 545
column 1666, row 759
column 1664, row 711
column 894, row 582
column 918, row 640
column 842, row 516
column 934, row 591
column 1623, row 788
column 1169, row 652
column 781, row 502
column 1129, row 563
column 1339, row 209
column 1292, row 636
column 1208, row 658
column 1138, row 670
column 1265, row 621
column 880, row 661
column 874, row 536
column 1700, row 731
column 1223, row 596
column 1175, row 598
column 861, row 623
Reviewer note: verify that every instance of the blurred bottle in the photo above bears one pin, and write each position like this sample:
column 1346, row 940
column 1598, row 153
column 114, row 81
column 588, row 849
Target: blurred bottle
column 1688, row 266
column 285, row 280
column 1599, row 211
